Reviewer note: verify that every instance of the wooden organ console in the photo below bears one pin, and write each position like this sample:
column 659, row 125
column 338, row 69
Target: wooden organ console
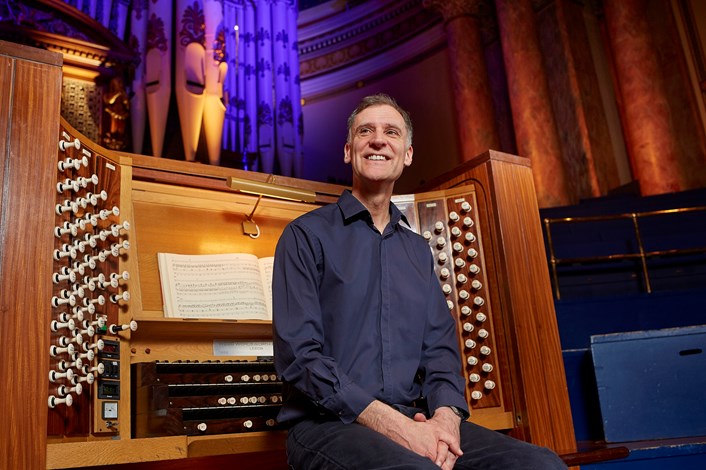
column 113, row 381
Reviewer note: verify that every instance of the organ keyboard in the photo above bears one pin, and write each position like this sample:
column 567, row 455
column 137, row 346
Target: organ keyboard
column 203, row 398
column 112, row 372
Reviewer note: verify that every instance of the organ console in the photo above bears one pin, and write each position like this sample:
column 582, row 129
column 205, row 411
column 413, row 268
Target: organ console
column 107, row 379
column 448, row 220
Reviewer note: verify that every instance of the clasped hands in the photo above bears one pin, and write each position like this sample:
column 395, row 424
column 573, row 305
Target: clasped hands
column 437, row 438
column 446, row 432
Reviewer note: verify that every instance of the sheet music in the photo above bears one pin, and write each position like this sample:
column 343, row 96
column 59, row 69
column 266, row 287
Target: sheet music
column 266, row 267
column 225, row 286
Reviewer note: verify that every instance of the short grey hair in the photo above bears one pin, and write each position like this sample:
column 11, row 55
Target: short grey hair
column 379, row 100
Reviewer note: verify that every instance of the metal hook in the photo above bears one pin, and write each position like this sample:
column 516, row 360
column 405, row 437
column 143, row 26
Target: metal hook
column 250, row 227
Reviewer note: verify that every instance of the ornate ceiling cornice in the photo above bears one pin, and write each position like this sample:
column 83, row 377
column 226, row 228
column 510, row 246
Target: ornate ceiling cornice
column 360, row 33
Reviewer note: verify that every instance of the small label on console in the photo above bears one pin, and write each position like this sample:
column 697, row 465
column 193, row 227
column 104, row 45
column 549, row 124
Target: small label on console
column 226, row 347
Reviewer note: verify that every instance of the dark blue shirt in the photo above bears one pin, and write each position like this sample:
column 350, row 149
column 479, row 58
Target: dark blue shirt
column 359, row 315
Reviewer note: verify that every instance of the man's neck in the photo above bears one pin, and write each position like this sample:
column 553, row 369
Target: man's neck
column 377, row 203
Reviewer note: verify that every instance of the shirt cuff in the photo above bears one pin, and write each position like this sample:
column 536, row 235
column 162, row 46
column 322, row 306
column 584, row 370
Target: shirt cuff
column 447, row 397
column 348, row 403
column 458, row 412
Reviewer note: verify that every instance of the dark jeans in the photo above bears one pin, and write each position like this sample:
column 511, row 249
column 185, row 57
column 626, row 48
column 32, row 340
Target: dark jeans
column 330, row 444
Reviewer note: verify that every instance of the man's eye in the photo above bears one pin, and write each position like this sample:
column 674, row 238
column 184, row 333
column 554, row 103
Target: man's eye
column 364, row 130
column 393, row 132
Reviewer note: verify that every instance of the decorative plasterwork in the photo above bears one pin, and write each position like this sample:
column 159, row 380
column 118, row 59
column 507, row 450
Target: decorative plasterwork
column 366, row 41
column 376, row 66
column 54, row 25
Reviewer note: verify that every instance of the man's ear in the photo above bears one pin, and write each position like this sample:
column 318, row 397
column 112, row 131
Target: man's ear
column 408, row 156
column 347, row 153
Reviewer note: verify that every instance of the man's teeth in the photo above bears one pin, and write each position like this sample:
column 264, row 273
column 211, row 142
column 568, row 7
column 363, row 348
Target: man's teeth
column 376, row 157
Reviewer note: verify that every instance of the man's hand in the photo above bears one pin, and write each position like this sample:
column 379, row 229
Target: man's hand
column 448, row 450
column 436, row 439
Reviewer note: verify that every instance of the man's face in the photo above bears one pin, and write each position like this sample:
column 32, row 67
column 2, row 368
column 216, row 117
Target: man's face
column 378, row 149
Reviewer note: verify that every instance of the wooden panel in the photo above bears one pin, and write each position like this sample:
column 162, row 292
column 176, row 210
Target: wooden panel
column 185, row 220
column 514, row 237
column 31, row 54
column 538, row 346
column 259, row 460
column 242, row 453
column 6, row 70
column 257, row 442
column 183, row 173
column 88, row 454
column 31, row 88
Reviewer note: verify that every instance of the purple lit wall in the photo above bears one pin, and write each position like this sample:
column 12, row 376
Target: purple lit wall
column 423, row 88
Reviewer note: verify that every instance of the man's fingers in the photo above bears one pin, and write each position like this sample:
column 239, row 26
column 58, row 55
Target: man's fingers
column 455, row 449
column 442, row 452
column 452, row 443
column 450, row 462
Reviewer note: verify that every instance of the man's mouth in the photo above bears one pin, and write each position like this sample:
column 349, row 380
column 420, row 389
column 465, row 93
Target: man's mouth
column 380, row 158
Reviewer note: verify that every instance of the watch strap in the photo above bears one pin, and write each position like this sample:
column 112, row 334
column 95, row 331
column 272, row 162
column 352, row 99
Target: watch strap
column 458, row 412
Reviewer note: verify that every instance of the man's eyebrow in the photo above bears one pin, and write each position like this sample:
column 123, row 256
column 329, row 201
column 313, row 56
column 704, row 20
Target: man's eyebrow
column 386, row 125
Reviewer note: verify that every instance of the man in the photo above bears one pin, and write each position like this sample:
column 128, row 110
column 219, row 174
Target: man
column 363, row 337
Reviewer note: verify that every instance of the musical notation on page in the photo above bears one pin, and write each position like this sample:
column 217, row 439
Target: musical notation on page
column 236, row 286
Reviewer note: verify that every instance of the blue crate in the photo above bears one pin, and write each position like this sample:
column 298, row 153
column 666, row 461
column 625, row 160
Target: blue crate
column 651, row 384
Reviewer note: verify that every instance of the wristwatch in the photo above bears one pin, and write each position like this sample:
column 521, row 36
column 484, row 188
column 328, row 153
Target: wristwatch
column 458, row 412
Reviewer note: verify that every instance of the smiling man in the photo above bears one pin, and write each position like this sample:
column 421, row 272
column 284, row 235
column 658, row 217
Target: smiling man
column 363, row 337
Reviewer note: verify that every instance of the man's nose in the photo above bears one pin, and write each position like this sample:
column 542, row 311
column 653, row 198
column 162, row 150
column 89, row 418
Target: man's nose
column 378, row 138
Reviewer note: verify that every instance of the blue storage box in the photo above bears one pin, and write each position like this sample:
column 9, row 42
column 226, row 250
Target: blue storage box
column 651, row 384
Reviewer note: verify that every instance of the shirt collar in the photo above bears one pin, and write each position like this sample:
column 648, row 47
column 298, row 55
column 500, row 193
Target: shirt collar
column 352, row 208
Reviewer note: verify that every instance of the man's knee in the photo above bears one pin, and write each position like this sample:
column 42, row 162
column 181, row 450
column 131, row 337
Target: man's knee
column 540, row 458
column 333, row 445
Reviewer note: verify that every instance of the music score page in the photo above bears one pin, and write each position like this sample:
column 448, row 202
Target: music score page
column 234, row 286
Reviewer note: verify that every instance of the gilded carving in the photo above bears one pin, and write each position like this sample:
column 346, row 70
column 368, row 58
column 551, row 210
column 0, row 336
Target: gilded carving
column 117, row 109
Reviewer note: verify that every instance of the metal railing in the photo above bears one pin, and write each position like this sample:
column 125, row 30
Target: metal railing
column 642, row 255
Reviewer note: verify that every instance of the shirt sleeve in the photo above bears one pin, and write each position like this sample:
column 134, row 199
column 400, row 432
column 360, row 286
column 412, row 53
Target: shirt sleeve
column 299, row 332
column 443, row 383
